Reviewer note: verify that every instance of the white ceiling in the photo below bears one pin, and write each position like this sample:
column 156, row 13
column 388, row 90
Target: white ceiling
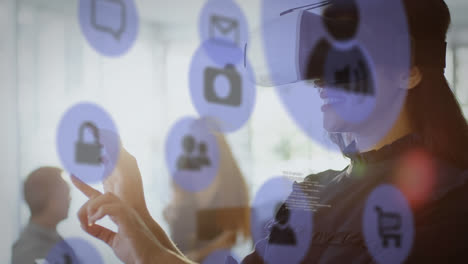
column 177, row 12
column 184, row 13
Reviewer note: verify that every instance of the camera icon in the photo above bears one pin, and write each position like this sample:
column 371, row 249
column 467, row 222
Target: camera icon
column 234, row 96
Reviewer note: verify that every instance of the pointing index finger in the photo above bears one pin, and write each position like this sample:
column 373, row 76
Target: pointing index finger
column 84, row 188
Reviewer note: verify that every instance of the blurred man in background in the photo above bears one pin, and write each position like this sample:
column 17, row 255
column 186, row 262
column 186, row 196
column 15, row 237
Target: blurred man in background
column 48, row 199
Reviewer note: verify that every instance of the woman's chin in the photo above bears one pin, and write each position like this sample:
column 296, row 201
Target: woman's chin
column 332, row 123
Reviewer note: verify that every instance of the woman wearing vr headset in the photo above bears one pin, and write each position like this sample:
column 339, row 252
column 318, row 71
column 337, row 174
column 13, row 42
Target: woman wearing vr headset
column 428, row 145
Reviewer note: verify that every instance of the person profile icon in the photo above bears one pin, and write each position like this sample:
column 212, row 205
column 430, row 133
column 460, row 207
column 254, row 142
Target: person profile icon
column 281, row 233
column 187, row 161
column 67, row 259
column 342, row 64
column 64, row 259
column 203, row 159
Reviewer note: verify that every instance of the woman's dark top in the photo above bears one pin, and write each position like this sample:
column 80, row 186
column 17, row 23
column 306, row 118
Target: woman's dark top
column 440, row 219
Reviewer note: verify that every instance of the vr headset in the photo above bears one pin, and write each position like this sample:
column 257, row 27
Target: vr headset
column 280, row 52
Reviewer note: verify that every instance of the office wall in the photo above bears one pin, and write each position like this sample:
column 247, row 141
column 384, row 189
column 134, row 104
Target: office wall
column 9, row 163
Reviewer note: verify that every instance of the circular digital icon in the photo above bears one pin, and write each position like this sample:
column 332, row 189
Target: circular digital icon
column 192, row 154
column 221, row 257
column 73, row 251
column 223, row 24
column 221, row 92
column 271, row 195
column 110, row 26
column 388, row 225
column 282, row 221
column 88, row 143
column 336, row 65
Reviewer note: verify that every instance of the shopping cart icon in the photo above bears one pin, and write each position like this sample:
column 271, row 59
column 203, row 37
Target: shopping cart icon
column 389, row 225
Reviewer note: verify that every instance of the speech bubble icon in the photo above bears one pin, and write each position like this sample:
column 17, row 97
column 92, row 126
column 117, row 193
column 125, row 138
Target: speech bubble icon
column 109, row 16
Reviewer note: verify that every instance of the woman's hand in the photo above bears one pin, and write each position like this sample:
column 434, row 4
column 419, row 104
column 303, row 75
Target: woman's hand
column 126, row 183
column 133, row 242
column 225, row 240
column 125, row 180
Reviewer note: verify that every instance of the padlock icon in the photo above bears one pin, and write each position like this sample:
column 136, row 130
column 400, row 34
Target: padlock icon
column 88, row 152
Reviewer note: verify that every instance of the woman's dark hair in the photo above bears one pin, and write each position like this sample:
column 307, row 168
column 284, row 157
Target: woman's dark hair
column 434, row 112
column 433, row 109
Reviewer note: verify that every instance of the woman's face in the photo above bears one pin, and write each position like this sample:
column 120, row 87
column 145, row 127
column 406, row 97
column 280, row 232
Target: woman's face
column 347, row 88
column 342, row 110
column 332, row 122
column 368, row 117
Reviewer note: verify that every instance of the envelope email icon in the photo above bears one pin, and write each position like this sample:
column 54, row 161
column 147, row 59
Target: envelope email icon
column 225, row 29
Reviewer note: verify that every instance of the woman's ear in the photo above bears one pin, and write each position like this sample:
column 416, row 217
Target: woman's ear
column 411, row 80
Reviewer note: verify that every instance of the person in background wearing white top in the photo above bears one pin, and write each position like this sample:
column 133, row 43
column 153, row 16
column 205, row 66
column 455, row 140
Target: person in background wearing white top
column 216, row 218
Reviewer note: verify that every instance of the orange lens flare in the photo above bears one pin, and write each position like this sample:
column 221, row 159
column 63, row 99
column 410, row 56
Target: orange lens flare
column 416, row 176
